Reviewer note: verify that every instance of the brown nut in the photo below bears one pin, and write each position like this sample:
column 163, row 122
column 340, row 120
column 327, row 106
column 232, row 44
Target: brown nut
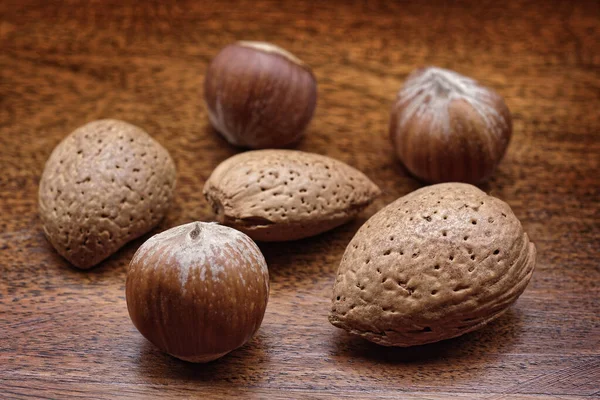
column 259, row 95
column 439, row 262
column 277, row 195
column 198, row 291
column 105, row 184
column 446, row 127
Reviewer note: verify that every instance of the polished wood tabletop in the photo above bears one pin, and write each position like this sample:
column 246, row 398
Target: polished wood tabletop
column 66, row 333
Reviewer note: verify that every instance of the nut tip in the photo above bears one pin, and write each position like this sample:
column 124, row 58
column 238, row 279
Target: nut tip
column 194, row 233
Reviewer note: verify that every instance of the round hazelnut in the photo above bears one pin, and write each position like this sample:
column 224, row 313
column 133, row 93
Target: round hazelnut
column 447, row 127
column 259, row 95
column 198, row 291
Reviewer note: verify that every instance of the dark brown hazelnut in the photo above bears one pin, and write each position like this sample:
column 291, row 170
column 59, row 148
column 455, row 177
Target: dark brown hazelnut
column 259, row 95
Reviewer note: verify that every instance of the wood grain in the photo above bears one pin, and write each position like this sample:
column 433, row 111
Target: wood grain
column 66, row 333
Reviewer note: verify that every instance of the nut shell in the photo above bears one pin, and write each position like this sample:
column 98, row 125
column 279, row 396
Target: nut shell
column 198, row 291
column 105, row 184
column 447, row 127
column 439, row 262
column 258, row 95
column 277, row 195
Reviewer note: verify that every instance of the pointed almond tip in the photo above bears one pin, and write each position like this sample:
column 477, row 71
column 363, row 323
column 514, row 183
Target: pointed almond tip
column 376, row 190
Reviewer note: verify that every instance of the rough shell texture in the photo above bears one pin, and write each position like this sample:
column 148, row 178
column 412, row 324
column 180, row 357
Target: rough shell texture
column 276, row 195
column 447, row 127
column 259, row 95
column 435, row 264
column 105, row 184
column 198, row 291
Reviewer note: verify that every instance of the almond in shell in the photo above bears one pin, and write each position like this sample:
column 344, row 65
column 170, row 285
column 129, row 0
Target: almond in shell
column 277, row 195
column 105, row 184
column 437, row 263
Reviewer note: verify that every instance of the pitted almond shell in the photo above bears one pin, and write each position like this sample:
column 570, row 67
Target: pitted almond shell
column 276, row 195
column 105, row 184
column 435, row 264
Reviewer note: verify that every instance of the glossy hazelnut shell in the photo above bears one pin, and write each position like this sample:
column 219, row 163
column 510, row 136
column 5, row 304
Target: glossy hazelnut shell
column 259, row 96
column 446, row 127
column 198, row 291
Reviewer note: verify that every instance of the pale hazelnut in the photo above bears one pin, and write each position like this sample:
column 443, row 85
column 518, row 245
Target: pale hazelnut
column 198, row 291
column 259, row 95
column 447, row 127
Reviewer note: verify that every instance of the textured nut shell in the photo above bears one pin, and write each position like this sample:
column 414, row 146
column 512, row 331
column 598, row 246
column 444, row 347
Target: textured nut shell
column 442, row 261
column 276, row 195
column 105, row 184
column 198, row 291
column 446, row 127
column 259, row 95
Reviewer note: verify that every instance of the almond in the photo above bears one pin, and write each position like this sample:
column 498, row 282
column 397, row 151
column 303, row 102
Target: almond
column 105, row 184
column 277, row 195
column 435, row 264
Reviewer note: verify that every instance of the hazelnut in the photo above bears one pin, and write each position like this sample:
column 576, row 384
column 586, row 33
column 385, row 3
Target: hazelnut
column 447, row 127
column 198, row 291
column 259, row 95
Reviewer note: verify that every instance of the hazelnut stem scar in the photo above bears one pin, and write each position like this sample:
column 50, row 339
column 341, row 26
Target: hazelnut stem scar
column 194, row 233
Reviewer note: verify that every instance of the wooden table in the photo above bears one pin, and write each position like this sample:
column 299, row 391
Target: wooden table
column 66, row 333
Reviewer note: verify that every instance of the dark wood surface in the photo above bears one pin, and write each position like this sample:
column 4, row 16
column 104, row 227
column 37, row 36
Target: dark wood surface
column 66, row 333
